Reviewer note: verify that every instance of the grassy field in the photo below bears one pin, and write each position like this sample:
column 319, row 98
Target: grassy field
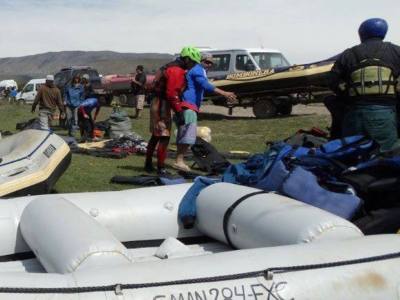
column 88, row 173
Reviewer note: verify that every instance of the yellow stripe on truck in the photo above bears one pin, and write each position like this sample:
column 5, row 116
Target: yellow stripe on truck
column 267, row 76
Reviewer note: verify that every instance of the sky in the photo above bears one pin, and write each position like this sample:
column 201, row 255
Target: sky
column 304, row 30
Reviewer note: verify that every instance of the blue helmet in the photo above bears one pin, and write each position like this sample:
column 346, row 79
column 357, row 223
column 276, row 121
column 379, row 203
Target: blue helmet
column 373, row 28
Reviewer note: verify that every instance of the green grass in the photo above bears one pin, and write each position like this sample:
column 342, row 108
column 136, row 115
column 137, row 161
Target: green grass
column 87, row 173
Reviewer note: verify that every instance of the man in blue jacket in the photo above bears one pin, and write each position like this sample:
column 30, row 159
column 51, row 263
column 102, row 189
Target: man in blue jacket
column 196, row 84
column 72, row 98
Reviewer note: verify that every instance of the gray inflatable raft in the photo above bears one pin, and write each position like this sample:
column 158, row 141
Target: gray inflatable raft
column 130, row 245
column 31, row 162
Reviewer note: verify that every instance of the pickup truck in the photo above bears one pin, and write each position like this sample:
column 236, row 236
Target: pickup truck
column 63, row 78
column 265, row 81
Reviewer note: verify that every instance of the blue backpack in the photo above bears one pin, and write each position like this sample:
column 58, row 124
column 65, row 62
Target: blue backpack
column 349, row 149
column 257, row 166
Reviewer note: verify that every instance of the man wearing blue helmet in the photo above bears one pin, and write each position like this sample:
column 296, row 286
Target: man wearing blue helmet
column 366, row 77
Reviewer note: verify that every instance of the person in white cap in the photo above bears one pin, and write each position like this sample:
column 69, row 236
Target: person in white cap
column 48, row 98
column 207, row 61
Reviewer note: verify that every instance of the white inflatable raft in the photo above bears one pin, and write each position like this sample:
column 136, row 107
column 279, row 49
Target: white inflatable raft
column 31, row 162
column 130, row 245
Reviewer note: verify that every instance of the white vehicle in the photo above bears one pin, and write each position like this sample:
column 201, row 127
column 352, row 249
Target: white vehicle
column 230, row 61
column 9, row 83
column 233, row 61
column 28, row 93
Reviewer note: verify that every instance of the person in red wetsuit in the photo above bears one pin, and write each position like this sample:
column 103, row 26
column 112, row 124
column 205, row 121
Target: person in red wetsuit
column 168, row 86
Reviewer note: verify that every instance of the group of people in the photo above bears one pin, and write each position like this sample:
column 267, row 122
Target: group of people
column 179, row 88
column 10, row 94
column 365, row 81
column 76, row 105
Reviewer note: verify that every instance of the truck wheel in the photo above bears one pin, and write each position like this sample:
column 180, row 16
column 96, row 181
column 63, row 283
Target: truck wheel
column 264, row 108
column 20, row 101
column 285, row 109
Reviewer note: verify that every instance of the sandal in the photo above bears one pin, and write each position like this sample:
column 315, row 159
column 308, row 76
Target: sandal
column 183, row 167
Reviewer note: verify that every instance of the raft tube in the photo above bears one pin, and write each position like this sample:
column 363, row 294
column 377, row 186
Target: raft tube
column 147, row 216
column 245, row 217
column 297, row 78
column 31, row 162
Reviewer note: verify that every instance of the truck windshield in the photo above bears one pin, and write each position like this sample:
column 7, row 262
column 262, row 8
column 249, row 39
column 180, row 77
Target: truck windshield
column 269, row 60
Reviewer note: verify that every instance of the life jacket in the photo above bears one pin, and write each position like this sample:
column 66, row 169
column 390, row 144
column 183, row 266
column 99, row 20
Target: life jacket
column 159, row 84
column 371, row 76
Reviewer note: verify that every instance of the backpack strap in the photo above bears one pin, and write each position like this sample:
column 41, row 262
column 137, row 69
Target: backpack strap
column 346, row 144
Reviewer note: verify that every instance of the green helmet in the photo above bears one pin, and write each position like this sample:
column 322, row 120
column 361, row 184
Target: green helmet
column 191, row 52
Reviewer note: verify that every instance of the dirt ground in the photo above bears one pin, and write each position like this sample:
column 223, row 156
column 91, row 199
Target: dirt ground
column 300, row 109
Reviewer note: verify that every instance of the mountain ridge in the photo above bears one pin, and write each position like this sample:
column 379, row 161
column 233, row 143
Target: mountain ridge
column 106, row 62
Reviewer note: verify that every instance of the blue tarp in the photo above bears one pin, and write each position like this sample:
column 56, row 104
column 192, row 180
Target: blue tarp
column 269, row 172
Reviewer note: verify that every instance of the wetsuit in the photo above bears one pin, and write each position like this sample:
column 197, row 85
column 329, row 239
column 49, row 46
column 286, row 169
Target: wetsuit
column 168, row 88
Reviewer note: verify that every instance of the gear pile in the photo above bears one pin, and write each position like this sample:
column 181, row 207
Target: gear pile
column 128, row 144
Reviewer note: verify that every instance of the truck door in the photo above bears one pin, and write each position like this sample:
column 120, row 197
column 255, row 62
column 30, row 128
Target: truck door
column 244, row 63
column 29, row 93
column 37, row 87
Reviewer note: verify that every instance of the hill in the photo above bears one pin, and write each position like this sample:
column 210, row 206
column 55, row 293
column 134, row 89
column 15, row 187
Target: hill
column 106, row 62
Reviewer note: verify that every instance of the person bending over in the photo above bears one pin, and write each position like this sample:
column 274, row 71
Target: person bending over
column 85, row 119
